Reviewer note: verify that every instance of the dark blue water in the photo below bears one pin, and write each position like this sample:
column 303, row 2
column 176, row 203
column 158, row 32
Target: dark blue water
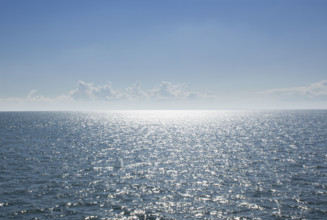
column 163, row 164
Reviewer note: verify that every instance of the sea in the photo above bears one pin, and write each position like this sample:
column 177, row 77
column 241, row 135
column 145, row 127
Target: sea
column 164, row 165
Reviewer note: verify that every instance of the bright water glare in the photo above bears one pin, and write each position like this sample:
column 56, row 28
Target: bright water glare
column 163, row 165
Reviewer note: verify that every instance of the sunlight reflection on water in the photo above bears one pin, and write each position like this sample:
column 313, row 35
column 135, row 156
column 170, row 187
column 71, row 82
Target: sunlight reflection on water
column 163, row 164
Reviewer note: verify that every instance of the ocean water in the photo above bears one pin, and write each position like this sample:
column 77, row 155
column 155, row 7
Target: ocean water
column 163, row 165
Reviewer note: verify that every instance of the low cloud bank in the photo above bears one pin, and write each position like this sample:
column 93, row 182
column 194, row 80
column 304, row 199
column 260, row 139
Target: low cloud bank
column 89, row 92
column 168, row 95
column 164, row 91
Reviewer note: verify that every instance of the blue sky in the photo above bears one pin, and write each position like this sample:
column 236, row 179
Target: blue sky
column 186, row 54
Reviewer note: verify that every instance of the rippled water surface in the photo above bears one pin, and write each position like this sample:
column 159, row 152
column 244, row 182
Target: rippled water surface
column 163, row 164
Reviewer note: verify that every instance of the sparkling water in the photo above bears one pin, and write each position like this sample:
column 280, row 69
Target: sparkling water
column 163, row 165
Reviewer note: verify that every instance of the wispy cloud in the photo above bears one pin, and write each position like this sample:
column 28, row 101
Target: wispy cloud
column 313, row 90
column 33, row 97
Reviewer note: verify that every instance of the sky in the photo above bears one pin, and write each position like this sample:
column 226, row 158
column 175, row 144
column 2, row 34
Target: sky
column 163, row 54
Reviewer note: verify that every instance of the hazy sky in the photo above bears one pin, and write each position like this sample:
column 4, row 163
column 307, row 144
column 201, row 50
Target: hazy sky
column 178, row 54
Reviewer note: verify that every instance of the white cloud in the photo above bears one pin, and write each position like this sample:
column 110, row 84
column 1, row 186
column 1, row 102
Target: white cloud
column 136, row 92
column 90, row 93
column 164, row 91
column 168, row 90
column 313, row 90
column 32, row 97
